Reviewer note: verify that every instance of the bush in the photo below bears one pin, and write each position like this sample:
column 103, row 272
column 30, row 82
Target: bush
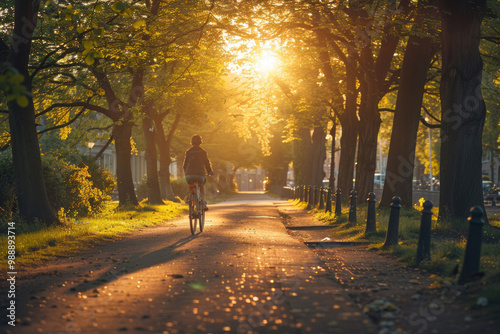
column 142, row 189
column 179, row 187
column 7, row 190
column 72, row 190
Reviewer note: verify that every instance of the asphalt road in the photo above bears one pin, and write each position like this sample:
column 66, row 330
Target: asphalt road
column 243, row 274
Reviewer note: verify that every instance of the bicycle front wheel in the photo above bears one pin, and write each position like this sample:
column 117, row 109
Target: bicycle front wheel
column 193, row 214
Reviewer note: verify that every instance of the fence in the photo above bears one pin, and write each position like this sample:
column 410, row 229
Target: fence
column 323, row 198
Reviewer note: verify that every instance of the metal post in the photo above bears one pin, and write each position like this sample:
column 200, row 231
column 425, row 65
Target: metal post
column 424, row 237
column 352, row 208
column 315, row 196
column 392, row 236
column 473, row 247
column 321, row 198
column 371, row 225
column 328, row 206
column 338, row 203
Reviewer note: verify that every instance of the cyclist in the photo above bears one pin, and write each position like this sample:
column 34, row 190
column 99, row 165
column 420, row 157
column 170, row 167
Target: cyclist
column 195, row 163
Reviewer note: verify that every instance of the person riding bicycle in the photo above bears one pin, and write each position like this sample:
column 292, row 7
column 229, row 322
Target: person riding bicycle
column 195, row 163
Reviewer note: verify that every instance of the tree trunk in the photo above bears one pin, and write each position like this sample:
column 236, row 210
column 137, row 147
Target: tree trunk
column 301, row 162
column 32, row 197
column 232, row 184
column 368, row 127
column 318, row 156
column 462, row 107
column 349, row 123
column 165, row 159
column 331, row 177
column 152, row 184
column 126, row 193
column 400, row 162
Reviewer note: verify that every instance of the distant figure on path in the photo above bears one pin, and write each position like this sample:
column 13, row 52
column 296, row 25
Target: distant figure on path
column 195, row 163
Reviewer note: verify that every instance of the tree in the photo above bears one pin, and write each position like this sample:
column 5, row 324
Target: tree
column 31, row 192
column 462, row 108
column 416, row 62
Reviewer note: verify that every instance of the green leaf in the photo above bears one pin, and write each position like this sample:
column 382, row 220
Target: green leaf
column 139, row 23
column 98, row 32
column 88, row 45
column 16, row 79
column 89, row 60
column 99, row 7
column 22, row 101
column 119, row 6
column 128, row 13
column 80, row 30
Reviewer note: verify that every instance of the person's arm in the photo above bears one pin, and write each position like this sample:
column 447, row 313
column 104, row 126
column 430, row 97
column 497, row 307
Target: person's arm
column 208, row 165
column 184, row 164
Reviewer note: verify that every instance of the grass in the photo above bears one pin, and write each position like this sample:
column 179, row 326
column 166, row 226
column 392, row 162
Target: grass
column 37, row 243
column 447, row 242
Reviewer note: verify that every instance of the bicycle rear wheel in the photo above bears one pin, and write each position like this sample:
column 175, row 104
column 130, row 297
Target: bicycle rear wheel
column 202, row 216
column 193, row 214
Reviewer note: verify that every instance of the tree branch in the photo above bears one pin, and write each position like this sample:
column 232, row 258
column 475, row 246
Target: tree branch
column 64, row 124
column 432, row 126
column 431, row 115
column 173, row 128
column 4, row 51
column 86, row 105
column 101, row 151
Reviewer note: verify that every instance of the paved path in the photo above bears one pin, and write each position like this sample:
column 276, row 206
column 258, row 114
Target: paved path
column 243, row 274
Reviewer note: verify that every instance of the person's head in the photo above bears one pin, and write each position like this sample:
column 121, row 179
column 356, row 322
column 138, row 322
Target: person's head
column 196, row 140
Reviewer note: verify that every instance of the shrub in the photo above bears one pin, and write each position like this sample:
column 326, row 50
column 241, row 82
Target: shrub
column 7, row 190
column 72, row 190
column 142, row 189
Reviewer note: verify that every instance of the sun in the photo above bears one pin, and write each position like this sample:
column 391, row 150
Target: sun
column 267, row 62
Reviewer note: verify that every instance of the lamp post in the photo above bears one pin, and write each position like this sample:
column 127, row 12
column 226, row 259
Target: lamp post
column 90, row 144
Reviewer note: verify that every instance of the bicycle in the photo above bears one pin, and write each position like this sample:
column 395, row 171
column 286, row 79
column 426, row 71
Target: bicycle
column 196, row 208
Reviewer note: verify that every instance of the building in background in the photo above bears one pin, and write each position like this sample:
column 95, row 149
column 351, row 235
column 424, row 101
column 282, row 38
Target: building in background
column 107, row 160
column 250, row 179
column 491, row 167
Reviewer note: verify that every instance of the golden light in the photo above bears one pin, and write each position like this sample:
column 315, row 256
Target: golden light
column 267, row 62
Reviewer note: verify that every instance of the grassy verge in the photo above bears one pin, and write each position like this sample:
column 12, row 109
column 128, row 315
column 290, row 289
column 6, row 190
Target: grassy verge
column 36, row 243
column 447, row 248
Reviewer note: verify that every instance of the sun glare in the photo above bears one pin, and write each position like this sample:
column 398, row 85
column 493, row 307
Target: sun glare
column 267, row 62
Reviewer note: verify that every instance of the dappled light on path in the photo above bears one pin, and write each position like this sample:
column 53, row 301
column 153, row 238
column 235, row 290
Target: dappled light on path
column 243, row 274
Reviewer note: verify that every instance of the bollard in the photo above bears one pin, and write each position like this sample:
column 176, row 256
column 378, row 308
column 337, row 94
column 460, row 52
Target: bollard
column 306, row 194
column 328, row 206
column 392, row 236
column 338, row 203
column 316, row 195
column 424, row 237
column 493, row 201
column 302, row 193
column 371, row 225
column 352, row 208
column 321, row 199
column 473, row 246
column 310, row 194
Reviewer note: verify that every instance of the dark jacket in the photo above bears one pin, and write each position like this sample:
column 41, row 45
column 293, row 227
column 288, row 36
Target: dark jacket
column 196, row 161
